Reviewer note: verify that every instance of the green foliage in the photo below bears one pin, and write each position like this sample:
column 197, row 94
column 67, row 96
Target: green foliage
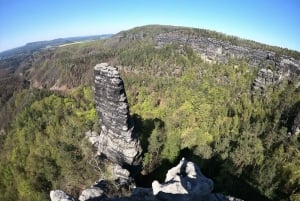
column 152, row 159
column 211, row 110
column 45, row 147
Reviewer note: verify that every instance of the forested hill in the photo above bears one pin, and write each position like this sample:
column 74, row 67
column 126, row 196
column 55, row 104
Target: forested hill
column 228, row 104
column 32, row 47
column 48, row 67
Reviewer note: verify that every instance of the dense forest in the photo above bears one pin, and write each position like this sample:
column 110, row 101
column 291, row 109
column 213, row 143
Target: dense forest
column 181, row 105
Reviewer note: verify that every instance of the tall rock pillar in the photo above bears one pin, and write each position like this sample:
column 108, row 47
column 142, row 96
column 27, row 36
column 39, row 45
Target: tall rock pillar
column 117, row 140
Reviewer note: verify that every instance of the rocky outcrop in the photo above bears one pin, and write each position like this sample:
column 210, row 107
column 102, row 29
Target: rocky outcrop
column 264, row 78
column 117, row 140
column 122, row 175
column 92, row 193
column 184, row 182
column 185, row 179
column 217, row 51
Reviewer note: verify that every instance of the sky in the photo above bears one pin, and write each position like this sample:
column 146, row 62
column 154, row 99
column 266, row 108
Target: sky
column 274, row 22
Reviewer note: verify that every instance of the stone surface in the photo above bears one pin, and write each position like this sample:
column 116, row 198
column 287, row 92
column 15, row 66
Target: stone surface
column 184, row 182
column 122, row 175
column 117, row 140
column 93, row 137
column 58, row 195
column 264, row 78
column 91, row 193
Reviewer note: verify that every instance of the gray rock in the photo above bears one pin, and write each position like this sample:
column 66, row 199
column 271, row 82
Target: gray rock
column 217, row 51
column 117, row 140
column 184, row 182
column 265, row 77
column 91, row 193
column 58, row 195
column 93, row 137
column 121, row 174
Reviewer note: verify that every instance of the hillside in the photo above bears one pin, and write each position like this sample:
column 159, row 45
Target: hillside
column 228, row 104
column 30, row 48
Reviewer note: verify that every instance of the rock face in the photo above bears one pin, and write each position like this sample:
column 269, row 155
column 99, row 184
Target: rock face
column 122, row 175
column 264, row 78
column 217, row 51
column 117, row 140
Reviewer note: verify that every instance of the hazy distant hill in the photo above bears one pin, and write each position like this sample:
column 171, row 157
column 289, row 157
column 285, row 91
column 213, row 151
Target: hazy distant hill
column 30, row 48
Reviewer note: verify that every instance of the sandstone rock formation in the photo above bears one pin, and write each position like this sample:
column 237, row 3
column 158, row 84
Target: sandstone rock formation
column 264, row 78
column 117, row 140
column 184, row 182
column 217, row 51
column 122, row 175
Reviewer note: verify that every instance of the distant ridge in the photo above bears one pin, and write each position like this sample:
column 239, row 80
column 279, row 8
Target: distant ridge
column 31, row 47
column 154, row 29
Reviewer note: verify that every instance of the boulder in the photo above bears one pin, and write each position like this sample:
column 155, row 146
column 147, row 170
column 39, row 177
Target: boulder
column 117, row 140
column 184, row 182
column 59, row 195
column 122, row 175
column 93, row 137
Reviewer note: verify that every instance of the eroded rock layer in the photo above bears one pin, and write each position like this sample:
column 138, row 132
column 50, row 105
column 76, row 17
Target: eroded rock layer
column 117, row 140
column 217, row 51
column 264, row 78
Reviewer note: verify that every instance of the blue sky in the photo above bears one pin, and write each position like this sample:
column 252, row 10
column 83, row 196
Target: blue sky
column 275, row 22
